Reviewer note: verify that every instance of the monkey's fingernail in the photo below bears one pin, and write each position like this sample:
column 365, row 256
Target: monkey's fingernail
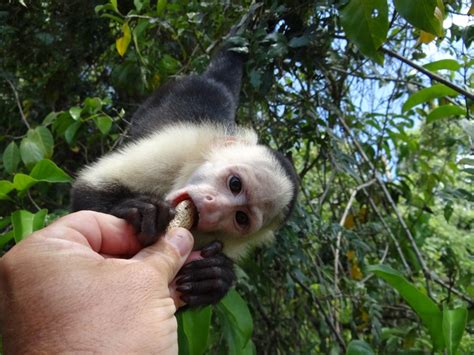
column 184, row 288
column 183, row 279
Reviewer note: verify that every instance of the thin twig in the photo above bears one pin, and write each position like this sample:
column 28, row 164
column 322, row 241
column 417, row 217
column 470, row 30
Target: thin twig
column 339, row 234
column 389, row 231
column 328, row 321
column 18, row 103
column 425, row 71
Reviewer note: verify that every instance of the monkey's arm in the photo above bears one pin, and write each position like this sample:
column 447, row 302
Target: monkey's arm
column 148, row 216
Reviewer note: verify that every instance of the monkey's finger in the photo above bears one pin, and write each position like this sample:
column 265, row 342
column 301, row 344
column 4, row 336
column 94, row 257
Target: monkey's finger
column 215, row 272
column 212, row 249
column 165, row 215
column 218, row 260
column 202, row 300
column 203, row 287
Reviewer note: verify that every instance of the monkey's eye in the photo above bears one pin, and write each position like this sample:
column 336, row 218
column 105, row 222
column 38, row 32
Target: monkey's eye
column 235, row 185
column 242, row 219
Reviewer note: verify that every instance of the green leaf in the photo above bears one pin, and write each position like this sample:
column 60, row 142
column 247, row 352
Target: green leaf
column 359, row 347
column 428, row 94
column 421, row 14
column 454, row 323
column 23, row 182
column 449, row 64
column 38, row 144
column 4, row 239
column 71, row 131
column 366, row 24
column 103, row 123
column 92, row 104
column 24, row 222
column 5, row 187
column 237, row 324
column 445, row 111
column 48, row 171
column 75, row 112
column 11, row 157
column 122, row 43
column 196, row 325
column 160, row 7
column 448, row 211
column 114, row 5
column 427, row 310
column 50, row 118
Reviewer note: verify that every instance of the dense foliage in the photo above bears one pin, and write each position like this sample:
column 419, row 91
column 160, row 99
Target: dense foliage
column 372, row 100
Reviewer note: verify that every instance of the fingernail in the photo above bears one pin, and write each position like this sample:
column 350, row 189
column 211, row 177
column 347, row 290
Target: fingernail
column 180, row 240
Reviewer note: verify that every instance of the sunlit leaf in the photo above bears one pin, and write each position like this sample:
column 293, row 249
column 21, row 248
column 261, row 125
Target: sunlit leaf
column 114, row 5
column 421, row 14
column 366, row 24
column 5, row 187
column 104, row 123
column 123, row 42
column 427, row 310
column 48, row 171
column 75, row 112
column 445, row 111
column 426, row 37
column 449, row 64
column 38, row 144
column 23, row 182
column 24, row 222
column 428, row 94
column 454, row 323
column 11, row 157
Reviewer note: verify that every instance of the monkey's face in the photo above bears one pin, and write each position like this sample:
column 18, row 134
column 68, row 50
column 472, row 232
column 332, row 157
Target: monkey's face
column 232, row 199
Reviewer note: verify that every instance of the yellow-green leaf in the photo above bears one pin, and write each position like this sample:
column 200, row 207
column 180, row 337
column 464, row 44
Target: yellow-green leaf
column 428, row 94
column 160, row 7
column 445, row 111
column 123, row 42
column 24, row 222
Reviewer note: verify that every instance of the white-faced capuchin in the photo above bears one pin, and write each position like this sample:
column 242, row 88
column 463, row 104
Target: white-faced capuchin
column 185, row 145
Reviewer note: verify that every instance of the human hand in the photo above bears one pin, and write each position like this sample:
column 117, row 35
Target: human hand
column 66, row 288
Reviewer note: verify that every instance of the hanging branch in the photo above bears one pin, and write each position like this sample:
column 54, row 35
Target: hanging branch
column 429, row 275
column 18, row 103
column 425, row 71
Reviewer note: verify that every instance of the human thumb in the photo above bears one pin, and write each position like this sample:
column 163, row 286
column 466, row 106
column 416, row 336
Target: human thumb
column 169, row 253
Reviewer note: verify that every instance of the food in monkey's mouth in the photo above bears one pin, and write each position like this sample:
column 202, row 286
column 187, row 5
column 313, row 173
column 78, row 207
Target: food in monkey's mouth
column 186, row 216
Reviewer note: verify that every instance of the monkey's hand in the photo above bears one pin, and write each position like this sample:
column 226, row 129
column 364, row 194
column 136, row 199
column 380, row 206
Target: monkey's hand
column 206, row 281
column 149, row 217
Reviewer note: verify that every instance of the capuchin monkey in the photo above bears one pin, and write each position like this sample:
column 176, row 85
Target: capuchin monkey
column 185, row 145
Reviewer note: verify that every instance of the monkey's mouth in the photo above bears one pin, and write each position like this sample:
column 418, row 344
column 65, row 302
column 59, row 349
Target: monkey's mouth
column 183, row 197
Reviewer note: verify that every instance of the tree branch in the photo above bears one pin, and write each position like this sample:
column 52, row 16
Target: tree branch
column 425, row 71
column 18, row 103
